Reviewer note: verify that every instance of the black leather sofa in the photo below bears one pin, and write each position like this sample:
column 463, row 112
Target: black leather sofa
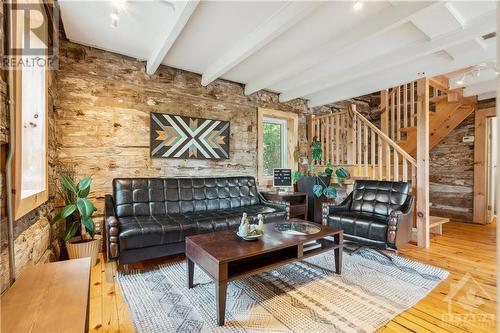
column 148, row 218
column 376, row 213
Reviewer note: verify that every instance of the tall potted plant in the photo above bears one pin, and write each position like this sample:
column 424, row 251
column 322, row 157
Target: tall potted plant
column 79, row 211
column 315, row 184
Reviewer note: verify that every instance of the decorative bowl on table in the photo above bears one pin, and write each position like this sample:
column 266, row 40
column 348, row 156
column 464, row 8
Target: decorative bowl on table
column 252, row 236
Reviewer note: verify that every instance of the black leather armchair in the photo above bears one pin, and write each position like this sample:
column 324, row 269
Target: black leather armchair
column 376, row 213
column 148, row 218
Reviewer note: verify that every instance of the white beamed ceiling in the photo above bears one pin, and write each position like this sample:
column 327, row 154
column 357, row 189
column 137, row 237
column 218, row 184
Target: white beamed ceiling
column 320, row 51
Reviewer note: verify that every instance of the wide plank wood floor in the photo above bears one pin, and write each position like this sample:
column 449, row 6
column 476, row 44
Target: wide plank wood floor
column 467, row 251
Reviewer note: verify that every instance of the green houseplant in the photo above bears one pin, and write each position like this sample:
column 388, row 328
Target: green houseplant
column 78, row 211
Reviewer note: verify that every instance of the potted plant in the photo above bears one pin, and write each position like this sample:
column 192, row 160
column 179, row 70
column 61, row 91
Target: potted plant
column 78, row 211
column 315, row 184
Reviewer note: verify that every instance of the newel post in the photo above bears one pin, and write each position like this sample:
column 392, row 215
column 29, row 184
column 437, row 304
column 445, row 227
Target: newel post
column 351, row 134
column 422, row 192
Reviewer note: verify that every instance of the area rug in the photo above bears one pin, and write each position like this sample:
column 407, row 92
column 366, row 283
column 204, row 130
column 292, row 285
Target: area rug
column 305, row 296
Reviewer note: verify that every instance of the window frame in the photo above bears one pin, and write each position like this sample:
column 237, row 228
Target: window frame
column 22, row 206
column 291, row 134
column 283, row 141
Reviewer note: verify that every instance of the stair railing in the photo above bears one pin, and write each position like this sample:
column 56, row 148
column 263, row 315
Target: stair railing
column 350, row 140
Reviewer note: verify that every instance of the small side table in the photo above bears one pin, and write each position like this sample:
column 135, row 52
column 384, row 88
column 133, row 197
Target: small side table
column 297, row 200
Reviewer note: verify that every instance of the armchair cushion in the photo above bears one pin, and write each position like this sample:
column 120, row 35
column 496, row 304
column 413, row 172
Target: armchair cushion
column 365, row 225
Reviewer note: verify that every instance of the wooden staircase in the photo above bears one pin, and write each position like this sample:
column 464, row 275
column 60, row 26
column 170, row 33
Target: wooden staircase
column 446, row 117
column 447, row 110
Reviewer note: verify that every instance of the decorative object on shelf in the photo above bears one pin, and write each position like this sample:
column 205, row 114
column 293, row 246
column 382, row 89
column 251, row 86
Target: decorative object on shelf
column 249, row 231
column 173, row 136
column 79, row 211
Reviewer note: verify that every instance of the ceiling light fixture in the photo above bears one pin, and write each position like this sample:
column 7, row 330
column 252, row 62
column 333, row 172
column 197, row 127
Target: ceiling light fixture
column 357, row 5
column 462, row 80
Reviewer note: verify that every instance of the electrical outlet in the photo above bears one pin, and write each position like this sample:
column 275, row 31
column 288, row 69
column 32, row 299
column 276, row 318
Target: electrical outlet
column 468, row 139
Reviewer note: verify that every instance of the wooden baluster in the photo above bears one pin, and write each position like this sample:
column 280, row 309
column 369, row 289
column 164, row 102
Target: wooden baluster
column 387, row 161
column 396, row 166
column 380, row 159
column 398, row 114
column 405, row 106
column 405, row 170
column 338, row 140
column 392, row 120
column 359, row 147
column 412, row 104
column 372, row 153
column 310, row 130
column 327, row 140
column 365, row 150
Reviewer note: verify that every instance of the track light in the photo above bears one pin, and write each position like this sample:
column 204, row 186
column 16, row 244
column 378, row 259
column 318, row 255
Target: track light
column 461, row 80
column 357, row 5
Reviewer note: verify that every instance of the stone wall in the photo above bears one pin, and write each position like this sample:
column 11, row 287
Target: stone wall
column 103, row 112
column 451, row 172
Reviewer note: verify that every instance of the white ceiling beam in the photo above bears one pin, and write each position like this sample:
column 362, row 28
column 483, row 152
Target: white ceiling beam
column 392, row 59
column 378, row 24
column 492, row 94
column 480, row 88
column 183, row 11
column 406, row 73
column 287, row 16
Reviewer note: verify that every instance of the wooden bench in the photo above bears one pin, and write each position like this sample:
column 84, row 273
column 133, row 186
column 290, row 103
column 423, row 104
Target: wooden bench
column 51, row 297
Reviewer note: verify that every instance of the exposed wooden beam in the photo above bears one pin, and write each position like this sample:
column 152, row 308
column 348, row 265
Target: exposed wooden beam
column 406, row 73
column 480, row 88
column 422, row 204
column 478, row 27
column 379, row 23
column 183, row 11
column 288, row 15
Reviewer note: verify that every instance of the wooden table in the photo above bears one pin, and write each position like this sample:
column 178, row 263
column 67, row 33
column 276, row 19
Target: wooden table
column 297, row 200
column 225, row 257
column 51, row 297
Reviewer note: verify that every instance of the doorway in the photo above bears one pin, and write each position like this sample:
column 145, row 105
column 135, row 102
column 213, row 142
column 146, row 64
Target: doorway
column 492, row 159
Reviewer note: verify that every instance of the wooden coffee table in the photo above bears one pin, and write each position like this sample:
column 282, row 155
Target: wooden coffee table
column 225, row 257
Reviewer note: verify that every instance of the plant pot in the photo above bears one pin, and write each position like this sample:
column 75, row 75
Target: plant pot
column 89, row 248
column 305, row 185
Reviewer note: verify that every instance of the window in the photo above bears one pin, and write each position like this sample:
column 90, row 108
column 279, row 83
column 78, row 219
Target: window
column 30, row 165
column 275, row 142
column 277, row 139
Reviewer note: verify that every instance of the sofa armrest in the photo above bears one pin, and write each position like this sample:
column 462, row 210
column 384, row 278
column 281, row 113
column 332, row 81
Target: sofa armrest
column 276, row 204
column 330, row 208
column 111, row 228
column 400, row 225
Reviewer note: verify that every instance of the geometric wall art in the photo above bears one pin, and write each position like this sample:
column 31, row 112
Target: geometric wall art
column 175, row 136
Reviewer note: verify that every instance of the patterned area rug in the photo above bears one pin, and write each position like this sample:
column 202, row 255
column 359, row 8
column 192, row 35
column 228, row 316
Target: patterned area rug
column 306, row 296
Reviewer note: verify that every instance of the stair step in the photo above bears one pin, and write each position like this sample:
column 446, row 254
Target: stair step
column 437, row 99
column 408, row 129
column 436, row 220
column 436, row 224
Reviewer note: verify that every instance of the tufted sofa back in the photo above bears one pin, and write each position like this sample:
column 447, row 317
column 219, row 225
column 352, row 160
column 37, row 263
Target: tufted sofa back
column 159, row 196
column 379, row 197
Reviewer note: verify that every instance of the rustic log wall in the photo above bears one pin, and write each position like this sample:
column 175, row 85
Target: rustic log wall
column 102, row 113
column 452, row 172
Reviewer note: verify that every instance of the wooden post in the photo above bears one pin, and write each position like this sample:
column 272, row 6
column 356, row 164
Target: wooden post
column 351, row 135
column 422, row 206
column 310, row 132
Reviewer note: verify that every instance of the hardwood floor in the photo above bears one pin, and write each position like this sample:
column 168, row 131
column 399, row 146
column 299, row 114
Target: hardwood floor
column 467, row 251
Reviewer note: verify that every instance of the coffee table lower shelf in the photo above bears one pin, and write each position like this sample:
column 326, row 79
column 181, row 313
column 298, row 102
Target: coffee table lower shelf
column 253, row 262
